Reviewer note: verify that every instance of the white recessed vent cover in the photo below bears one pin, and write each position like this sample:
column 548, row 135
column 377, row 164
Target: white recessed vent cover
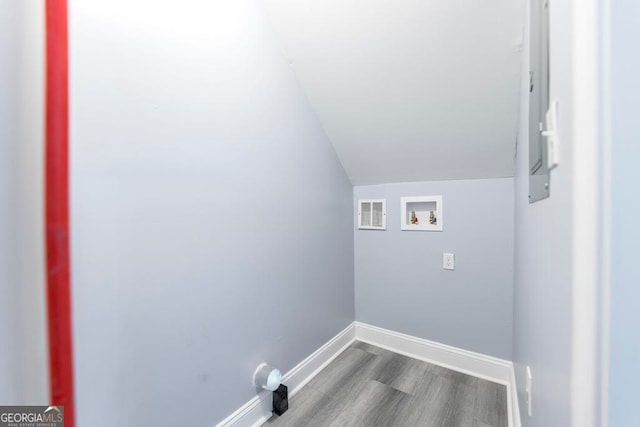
column 372, row 214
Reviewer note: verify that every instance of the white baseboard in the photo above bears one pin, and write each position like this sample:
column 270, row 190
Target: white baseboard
column 476, row 364
column 515, row 407
column 258, row 410
column 465, row 361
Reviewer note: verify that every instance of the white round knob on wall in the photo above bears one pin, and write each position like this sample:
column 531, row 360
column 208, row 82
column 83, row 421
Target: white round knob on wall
column 267, row 377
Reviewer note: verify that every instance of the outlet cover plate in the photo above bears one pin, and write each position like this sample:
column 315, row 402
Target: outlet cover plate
column 448, row 261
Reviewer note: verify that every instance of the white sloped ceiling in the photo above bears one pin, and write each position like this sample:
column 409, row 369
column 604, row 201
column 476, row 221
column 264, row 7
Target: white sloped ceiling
column 409, row 90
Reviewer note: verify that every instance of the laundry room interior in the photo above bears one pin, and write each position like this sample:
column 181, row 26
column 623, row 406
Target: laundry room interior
column 213, row 206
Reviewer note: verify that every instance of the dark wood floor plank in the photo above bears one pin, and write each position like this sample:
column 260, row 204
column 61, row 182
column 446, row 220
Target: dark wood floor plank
column 377, row 405
column 345, row 371
column 370, row 386
column 461, row 378
column 491, row 403
column 372, row 349
column 445, row 403
column 402, row 373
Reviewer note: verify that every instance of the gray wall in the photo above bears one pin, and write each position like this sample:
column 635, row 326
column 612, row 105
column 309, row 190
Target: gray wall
column 543, row 251
column 625, row 275
column 9, row 271
column 23, row 352
column 400, row 283
column 211, row 218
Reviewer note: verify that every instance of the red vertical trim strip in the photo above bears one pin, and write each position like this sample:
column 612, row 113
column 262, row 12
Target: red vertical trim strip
column 57, row 209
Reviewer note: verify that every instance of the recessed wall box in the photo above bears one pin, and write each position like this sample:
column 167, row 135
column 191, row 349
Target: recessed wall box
column 372, row 214
column 421, row 213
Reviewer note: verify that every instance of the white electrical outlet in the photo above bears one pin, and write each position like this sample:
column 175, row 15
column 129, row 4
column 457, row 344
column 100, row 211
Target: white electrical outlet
column 448, row 261
column 553, row 141
column 527, row 389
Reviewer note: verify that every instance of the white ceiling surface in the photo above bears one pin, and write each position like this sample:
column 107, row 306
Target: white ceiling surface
column 409, row 90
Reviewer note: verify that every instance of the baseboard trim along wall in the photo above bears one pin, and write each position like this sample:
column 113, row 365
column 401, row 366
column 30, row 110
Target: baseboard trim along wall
column 258, row 410
column 479, row 365
column 513, row 403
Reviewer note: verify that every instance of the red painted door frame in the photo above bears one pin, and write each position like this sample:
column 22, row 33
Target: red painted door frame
column 57, row 209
